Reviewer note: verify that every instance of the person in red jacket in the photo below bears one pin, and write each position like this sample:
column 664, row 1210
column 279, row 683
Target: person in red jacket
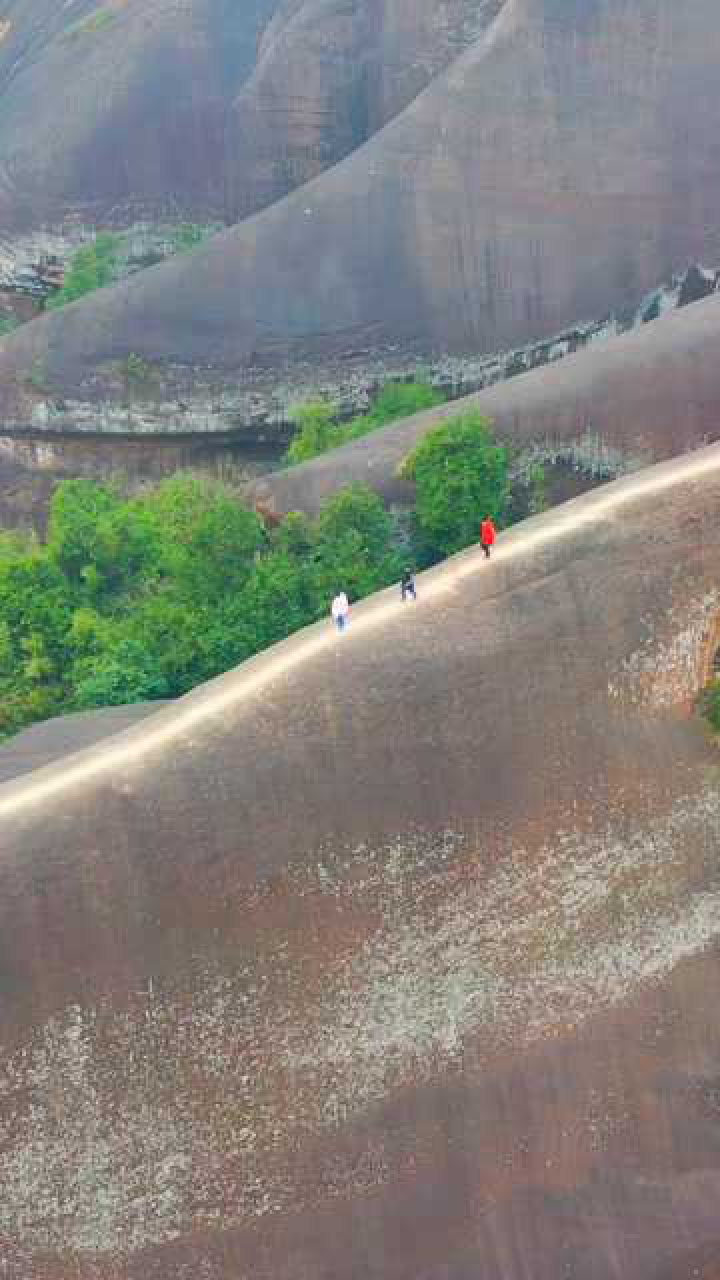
column 488, row 534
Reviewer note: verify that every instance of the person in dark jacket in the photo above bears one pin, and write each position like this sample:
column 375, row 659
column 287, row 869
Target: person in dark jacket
column 488, row 535
column 407, row 586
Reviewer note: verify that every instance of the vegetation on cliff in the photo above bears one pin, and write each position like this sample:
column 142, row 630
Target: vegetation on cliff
column 135, row 598
column 113, row 256
column 461, row 476
column 92, row 268
column 319, row 427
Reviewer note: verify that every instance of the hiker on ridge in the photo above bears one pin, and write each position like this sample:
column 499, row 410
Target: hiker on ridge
column 407, row 585
column 488, row 535
column 340, row 610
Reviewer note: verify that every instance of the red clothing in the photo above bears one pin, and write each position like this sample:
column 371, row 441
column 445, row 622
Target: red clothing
column 488, row 533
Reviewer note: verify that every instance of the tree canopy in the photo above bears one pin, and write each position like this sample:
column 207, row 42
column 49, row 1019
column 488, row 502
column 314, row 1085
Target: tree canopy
column 138, row 598
column 461, row 476
column 142, row 597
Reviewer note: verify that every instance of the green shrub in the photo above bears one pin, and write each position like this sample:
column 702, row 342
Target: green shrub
column 188, row 235
column 319, row 429
column 400, row 400
column 92, row 268
column 460, row 476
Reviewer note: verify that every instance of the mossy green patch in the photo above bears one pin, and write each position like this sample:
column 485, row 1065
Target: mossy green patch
column 90, row 25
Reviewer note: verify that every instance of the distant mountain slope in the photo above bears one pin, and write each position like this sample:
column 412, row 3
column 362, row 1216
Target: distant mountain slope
column 329, row 75
column 115, row 108
column 568, row 161
column 118, row 104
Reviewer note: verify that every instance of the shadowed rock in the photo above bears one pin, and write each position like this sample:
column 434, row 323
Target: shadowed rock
column 390, row 955
column 543, row 179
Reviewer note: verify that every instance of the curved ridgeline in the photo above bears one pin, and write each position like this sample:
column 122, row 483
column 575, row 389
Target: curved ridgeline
column 642, row 396
column 392, row 954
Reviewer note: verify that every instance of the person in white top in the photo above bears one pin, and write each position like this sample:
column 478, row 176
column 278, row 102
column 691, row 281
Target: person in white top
column 340, row 610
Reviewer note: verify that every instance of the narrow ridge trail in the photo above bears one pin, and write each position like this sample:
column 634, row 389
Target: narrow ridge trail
column 390, row 954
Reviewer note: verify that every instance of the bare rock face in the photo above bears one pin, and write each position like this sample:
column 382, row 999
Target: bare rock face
column 117, row 110
column 330, row 74
column 697, row 284
column 544, row 178
column 621, row 403
column 391, row 956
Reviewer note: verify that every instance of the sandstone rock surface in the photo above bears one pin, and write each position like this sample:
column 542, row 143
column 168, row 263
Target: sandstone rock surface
column 200, row 108
column 116, row 109
column 544, row 178
column 647, row 395
column 392, row 956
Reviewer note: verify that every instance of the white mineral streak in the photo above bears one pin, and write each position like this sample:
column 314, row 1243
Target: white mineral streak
column 112, row 1149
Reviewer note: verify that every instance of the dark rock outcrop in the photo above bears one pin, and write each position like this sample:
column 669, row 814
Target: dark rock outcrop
column 331, row 74
column 650, row 394
column 206, row 108
column 391, row 956
column 111, row 111
column 544, row 178
column 697, row 284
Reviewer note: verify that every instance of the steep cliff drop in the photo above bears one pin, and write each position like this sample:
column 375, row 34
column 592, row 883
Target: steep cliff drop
column 391, row 957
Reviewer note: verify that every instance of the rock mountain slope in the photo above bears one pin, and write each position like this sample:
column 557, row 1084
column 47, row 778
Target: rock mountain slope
column 128, row 107
column 563, row 164
column 630, row 399
column 391, row 956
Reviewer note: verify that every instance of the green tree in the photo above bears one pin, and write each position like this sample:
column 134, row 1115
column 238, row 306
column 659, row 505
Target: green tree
column 35, row 616
column 319, row 429
column 80, row 540
column 400, row 400
column 460, row 476
column 206, row 540
column 144, row 597
column 92, row 267
column 154, row 651
column 355, row 540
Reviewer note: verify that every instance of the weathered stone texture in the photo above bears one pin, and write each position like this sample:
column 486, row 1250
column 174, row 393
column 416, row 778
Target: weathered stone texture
column 544, row 179
column 329, row 76
column 390, row 956
column 201, row 107
column 650, row 394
